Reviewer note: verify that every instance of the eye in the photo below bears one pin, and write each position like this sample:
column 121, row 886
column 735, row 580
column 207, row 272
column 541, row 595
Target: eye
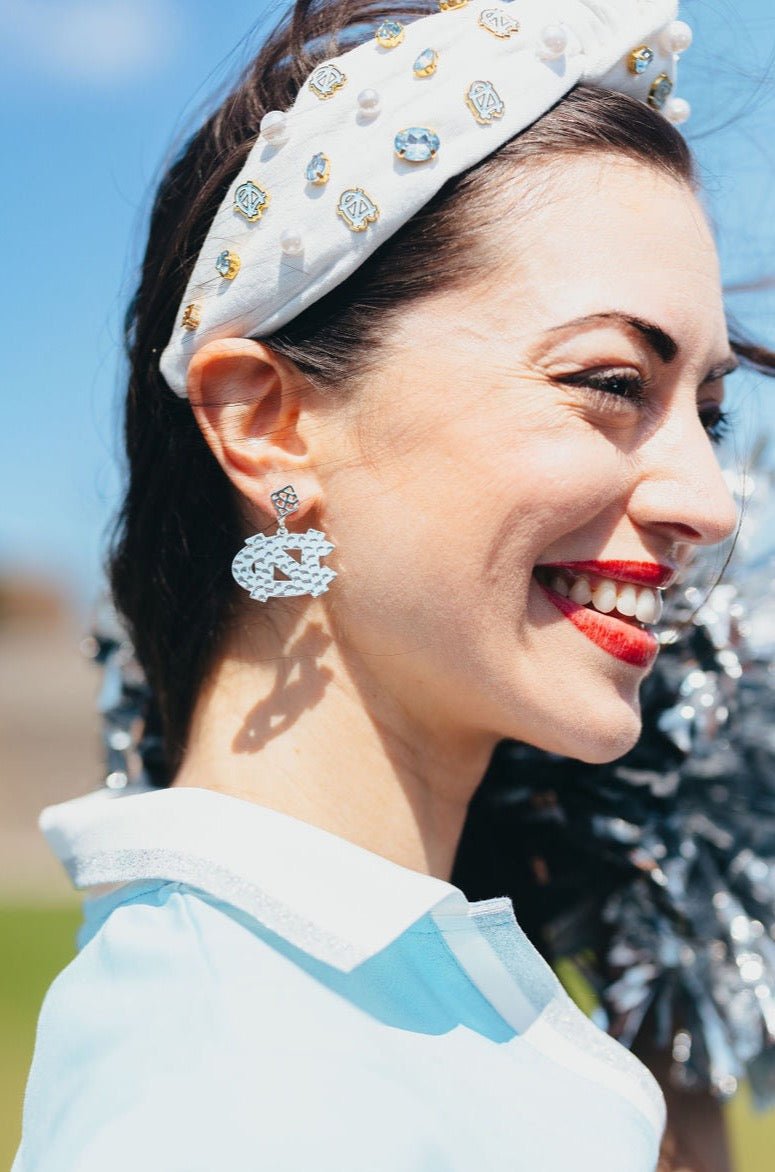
column 620, row 382
column 716, row 422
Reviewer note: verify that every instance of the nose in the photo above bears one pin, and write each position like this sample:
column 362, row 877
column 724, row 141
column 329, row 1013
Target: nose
column 681, row 493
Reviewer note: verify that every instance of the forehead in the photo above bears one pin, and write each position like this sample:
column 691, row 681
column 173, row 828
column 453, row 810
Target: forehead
column 604, row 232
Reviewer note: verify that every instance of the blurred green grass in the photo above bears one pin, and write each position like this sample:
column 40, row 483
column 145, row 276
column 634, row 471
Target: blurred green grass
column 36, row 942
column 751, row 1135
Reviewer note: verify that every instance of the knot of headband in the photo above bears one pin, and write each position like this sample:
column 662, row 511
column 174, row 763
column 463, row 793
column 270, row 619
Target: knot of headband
column 374, row 133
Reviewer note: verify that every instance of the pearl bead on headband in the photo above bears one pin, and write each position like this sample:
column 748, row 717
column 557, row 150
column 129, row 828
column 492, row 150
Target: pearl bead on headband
column 376, row 132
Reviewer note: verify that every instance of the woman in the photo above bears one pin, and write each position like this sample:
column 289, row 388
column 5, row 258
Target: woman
column 453, row 322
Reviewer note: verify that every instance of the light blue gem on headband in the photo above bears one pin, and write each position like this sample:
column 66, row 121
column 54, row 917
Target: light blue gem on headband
column 640, row 59
column 389, row 34
column 660, row 91
column 416, row 144
column 426, row 63
column 318, row 169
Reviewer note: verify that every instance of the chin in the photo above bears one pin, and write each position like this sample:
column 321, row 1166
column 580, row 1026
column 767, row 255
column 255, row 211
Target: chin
column 599, row 746
column 594, row 738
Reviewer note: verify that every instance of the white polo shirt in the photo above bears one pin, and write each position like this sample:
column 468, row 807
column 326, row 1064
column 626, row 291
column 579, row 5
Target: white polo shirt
column 260, row 994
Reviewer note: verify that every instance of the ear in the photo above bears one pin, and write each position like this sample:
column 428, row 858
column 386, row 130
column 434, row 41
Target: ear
column 248, row 403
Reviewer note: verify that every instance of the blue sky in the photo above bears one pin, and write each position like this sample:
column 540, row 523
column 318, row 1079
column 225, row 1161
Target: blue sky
column 94, row 92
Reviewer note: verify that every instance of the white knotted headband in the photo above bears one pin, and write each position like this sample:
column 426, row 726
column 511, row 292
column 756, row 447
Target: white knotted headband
column 376, row 132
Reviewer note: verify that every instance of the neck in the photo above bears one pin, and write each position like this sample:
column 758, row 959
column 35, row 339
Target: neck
column 289, row 721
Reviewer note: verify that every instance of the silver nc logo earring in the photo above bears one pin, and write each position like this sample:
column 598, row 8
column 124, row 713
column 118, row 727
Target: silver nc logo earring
column 266, row 566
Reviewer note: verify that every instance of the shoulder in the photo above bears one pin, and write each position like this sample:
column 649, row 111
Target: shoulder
column 139, row 1036
column 184, row 1035
column 153, row 960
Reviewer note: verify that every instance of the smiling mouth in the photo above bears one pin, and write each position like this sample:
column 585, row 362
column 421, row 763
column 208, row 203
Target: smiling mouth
column 612, row 603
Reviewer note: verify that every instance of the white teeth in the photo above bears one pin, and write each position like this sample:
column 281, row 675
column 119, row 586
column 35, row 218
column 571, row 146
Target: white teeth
column 649, row 608
column 604, row 596
column 648, row 605
column 639, row 602
column 660, row 606
column 581, row 592
column 627, row 601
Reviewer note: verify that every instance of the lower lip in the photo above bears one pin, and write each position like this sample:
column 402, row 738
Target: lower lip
column 630, row 644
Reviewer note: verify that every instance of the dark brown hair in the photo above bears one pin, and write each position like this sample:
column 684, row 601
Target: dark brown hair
column 179, row 526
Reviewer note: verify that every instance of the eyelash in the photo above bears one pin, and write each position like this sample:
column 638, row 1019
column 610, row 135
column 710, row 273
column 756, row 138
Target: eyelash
column 634, row 388
column 717, row 424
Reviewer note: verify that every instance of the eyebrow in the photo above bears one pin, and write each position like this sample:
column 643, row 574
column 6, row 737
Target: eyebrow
column 722, row 369
column 663, row 345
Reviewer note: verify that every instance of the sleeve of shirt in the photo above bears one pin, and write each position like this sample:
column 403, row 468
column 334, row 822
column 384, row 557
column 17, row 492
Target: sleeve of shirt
column 141, row 1062
column 122, row 1074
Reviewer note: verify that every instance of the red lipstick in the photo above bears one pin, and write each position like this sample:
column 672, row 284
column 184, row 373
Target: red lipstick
column 638, row 573
column 624, row 640
column 631, row 644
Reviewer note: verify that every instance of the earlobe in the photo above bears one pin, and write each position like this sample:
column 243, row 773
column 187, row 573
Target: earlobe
column 247, row 402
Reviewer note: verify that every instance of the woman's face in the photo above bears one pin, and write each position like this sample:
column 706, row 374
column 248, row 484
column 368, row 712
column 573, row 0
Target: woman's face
column 542, row 433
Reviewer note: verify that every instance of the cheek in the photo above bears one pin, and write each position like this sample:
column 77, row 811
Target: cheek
column 429, row 535
column 545, row 492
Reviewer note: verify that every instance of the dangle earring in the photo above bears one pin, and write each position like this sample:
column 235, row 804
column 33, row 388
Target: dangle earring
column 265, row 567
